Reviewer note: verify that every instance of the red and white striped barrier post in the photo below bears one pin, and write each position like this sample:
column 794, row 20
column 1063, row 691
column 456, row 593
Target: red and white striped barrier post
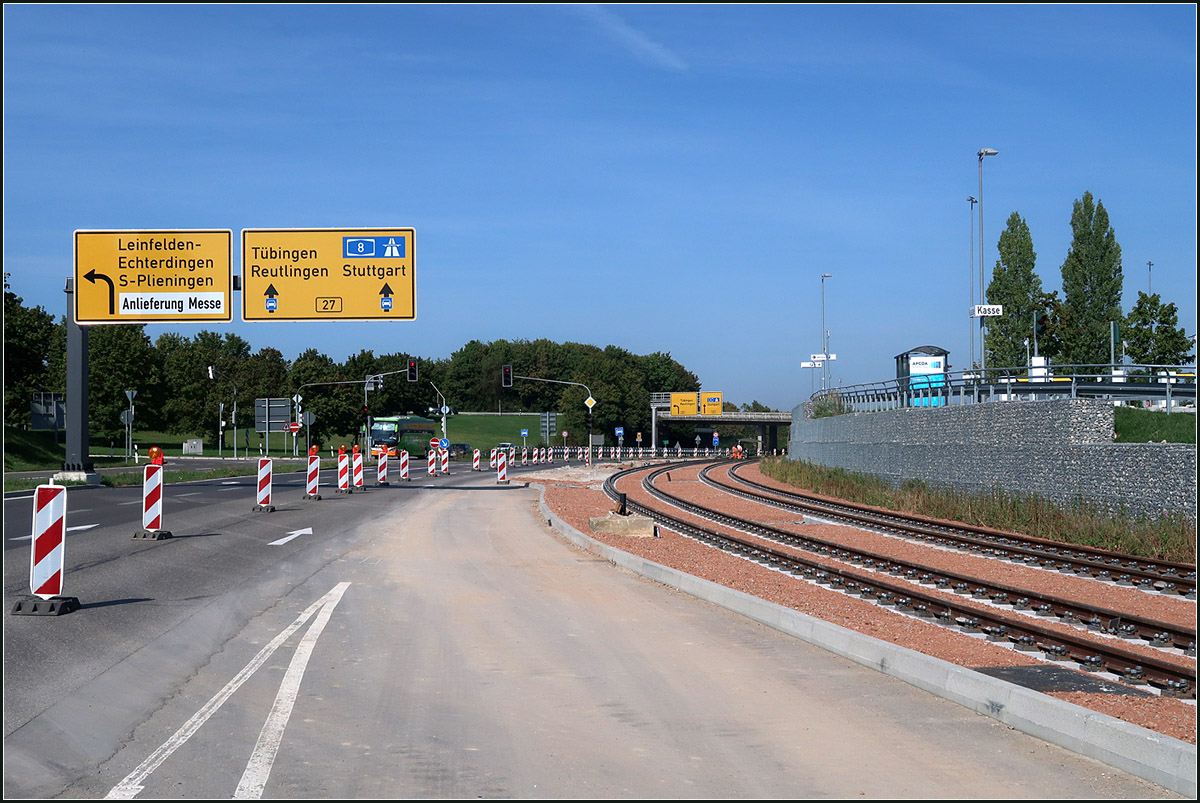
column 475, row 460
column 264, row 486
column 344, row 474
column 524, row 457
column 381, row 469
column 502, row 468
column 432, row 462
column 550, row 455
column 152, row 504
column 534, row 456
column 356, row 466
column 47, row 553
column 49, row 530
column 314, row 477
column 445, row 461
column 404, row 466
column 493, row 462
column 587, row 457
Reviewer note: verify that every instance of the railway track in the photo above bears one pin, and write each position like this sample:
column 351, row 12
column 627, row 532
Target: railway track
column 1001, row 613
column 1161, row 576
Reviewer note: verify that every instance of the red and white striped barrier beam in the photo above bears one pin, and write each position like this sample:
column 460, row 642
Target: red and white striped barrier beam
column 502, row 468
column 445, row 460
column 524, row 457
column 381, row 469
column 475, row 460
column 356, row 467
column 152, row 504
column 49, row 532
column 314, row 477
column 46, row 555
column 432, row 463
column 493, row 462
column 404, row 466
column 264, row 486
column 344, row 474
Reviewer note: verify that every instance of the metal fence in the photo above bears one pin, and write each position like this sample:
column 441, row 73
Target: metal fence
column 1169, row 387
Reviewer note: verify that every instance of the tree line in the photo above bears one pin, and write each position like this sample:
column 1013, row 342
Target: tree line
column 178, row 394
column 1076, row 328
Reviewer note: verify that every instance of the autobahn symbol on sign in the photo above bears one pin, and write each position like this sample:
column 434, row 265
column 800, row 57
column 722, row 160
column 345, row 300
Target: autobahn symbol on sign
column 328, row 274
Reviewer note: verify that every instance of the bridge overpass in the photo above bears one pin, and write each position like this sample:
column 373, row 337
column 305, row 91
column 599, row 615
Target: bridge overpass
column 768, row 423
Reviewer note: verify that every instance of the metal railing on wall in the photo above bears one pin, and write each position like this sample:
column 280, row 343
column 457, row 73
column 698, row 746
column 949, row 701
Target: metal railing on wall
column 1165, row 386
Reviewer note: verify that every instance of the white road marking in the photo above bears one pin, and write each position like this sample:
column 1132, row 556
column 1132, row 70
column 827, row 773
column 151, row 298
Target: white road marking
column 69, row 529
column 291, row 535
column 132, row 784
column 258, row 768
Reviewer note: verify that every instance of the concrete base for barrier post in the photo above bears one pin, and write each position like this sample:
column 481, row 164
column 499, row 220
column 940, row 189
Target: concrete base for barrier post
column 153, row 535
column 55, row 606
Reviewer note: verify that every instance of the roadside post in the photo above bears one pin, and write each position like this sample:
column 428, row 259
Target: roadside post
column 152, row 504
column 263, row 504
column 46, row 555
column 382, row 468
column 356, row 461
column 314, row 477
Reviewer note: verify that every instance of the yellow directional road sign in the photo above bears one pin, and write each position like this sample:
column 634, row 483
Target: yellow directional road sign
column 329, row 274
column 158, row 276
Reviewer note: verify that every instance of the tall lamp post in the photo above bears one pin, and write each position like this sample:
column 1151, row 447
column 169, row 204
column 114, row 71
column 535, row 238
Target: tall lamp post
column 982, row 287
column 1149, row 265
column 971, row 274
column 824, row 333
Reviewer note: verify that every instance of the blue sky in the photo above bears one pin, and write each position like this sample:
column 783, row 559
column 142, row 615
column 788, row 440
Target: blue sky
column 661, row 178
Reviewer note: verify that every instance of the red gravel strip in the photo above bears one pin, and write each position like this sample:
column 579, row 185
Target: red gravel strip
column 575, row 498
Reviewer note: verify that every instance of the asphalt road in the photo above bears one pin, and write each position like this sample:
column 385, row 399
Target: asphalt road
column 437, row 639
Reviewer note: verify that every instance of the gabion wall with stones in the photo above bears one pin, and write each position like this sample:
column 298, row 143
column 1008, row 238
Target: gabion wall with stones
column 1060, row 450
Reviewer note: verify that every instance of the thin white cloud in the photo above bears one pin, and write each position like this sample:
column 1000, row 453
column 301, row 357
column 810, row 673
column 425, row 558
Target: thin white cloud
column 633, row 40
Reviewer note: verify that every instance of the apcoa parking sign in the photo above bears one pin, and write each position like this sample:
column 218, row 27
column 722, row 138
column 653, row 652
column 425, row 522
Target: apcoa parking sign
column 328, row 274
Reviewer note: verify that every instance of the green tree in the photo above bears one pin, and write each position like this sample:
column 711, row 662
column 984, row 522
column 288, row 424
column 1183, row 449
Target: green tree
column 121, row 357
column 1092, row 283
column 29, row 334
column 1017, row 287
column 1152, row 333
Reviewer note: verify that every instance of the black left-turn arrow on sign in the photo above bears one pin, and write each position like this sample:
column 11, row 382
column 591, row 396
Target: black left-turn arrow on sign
column 92, row 276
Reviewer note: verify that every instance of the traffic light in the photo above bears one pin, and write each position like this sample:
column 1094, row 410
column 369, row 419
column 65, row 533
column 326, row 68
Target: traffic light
column 365, row 409
column 506, row 376
column 412, row 370
column 1040, row 329
column 587, row 417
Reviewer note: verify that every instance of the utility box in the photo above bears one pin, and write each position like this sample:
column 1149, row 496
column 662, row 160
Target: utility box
column 921, row 373
column 193, row 446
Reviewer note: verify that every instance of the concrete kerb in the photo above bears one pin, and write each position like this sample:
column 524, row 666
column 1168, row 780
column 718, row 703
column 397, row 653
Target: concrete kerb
column 1160, row 759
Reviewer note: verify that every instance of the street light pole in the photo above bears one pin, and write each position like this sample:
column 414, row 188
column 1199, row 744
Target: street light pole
column 982, row 287
column 971, row 273
column 1149, row 265
column 824, row 332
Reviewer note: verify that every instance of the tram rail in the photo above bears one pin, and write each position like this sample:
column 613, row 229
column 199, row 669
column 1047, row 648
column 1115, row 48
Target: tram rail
column 1099, row 647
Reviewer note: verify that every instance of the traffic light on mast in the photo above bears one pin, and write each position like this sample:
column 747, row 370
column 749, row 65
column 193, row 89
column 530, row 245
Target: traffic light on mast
column 506, row 376
column 412, row 370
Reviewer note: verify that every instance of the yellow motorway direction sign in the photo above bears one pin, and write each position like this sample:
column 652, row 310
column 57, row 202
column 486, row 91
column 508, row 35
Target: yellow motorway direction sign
column 329, row 274
column 710, row 403
column 157, row 276
column 683, row 404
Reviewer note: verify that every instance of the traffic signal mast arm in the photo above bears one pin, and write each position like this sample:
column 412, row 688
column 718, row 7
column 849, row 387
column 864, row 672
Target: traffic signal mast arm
column 555, row 381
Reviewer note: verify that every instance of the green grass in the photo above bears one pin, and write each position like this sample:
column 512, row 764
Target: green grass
column 1136, row 425
column 1170, row 538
